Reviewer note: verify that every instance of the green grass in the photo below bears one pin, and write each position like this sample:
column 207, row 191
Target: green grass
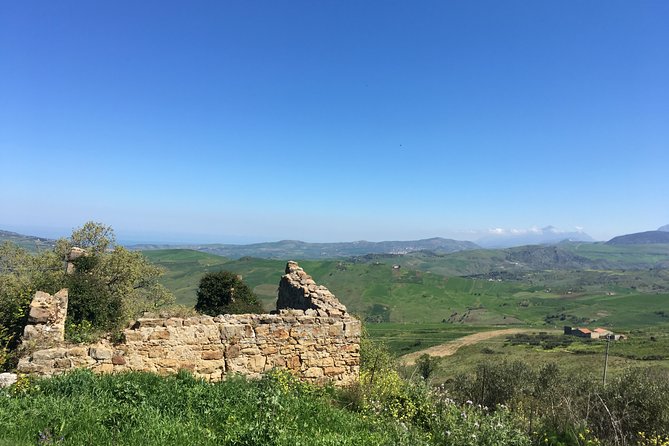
column 623, row 255
column 406, row 338
column 582, row 356
column 377, row 293
column 184, row 268
column 144, row 409
column 413, row 309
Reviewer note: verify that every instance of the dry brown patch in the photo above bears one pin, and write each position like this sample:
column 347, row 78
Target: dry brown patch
column 449, row 348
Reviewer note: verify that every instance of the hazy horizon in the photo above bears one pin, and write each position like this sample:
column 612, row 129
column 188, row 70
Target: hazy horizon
column 179, row 238
column 333, row 121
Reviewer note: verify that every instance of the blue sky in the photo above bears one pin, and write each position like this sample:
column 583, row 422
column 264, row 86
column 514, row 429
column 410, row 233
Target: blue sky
column 333, row 120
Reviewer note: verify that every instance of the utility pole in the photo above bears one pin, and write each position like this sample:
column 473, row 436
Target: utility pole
column 606, row 357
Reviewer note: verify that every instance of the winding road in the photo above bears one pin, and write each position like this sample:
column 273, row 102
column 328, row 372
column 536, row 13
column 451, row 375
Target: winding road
column 449, row 348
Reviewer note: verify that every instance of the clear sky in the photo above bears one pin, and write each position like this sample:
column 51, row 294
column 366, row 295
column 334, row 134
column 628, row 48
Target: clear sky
column 238, row 121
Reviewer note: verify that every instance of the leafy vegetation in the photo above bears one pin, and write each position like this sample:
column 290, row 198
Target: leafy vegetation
column 537, row 387
column 109, row 285
column 139, row 408
column 224, row 292
column 295, row 249
column 21, row 274
column 498, row 403
column 376, row 292
column 28, row 242
column 566, row 408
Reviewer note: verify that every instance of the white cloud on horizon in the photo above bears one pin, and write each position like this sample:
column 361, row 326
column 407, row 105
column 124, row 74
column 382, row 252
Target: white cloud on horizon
column 531, row 230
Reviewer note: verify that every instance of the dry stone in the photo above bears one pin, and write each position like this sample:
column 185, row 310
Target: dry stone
column 311, row 335
column 73, row 255
column 7, row 379
column 46, row 320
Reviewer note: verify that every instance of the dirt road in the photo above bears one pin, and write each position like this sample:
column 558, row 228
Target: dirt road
column 449, row 348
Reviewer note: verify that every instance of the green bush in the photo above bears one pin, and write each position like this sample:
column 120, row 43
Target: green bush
column 80, row 333
column 21, row 274
column 110, row 285
column 224, row 292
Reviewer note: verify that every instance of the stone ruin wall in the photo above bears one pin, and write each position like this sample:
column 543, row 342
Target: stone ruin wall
column 310, row 334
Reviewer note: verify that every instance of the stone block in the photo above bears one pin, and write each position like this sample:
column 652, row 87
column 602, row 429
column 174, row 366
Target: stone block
column 159, row 334
column 100, row 353
column 233, row 333
column 63, row 363
column 118, row 360
column 210, row 367
column 169, row 363
column 212, row 354
column 280, row 334
column 174, row 322
column 7, row 379
column 156, row 352
column 81, row 361
column 294, row 362
column 313, row 372
column 189, row 366
column 51, row 353
column 133, row 335
column 352, row 328
column 233, row 351
column 256, row 363
column 322, row 362
column 27, row 366
column 276, row 362
column 269, row 350
column 330, row 371
column 148, row 322
column 76, row 352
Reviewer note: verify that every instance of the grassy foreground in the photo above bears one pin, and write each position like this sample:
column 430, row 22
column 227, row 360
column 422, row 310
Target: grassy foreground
column 137, row 408
column 81, row 408
column 501, row 403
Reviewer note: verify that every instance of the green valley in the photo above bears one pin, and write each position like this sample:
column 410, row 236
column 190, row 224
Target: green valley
column 413, row 302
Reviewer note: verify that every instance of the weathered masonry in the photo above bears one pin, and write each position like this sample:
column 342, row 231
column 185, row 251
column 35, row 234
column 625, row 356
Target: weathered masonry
column 311, row 334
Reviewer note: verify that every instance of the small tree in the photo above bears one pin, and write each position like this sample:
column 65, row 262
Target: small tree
column 426, row 365
column 224, row 292
column 110, row 284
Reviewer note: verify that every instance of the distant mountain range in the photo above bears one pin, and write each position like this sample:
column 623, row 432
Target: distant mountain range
column 302, row 250
column 641, row 238
column 536, row 236
column 296, row 249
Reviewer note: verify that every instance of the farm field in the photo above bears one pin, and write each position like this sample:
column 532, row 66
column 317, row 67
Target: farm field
column 380, row 294
column 411, row 309
column 644, row 348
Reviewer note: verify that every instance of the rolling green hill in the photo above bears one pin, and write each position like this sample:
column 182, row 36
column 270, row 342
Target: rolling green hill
column 27, row 242
column 570, row 256
column 377, row 292
column 639, row 238
column 296, row 249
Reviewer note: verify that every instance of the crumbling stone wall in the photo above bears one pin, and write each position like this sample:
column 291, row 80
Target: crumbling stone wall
column 299, row 291
column 46, row 320
column 310, row 334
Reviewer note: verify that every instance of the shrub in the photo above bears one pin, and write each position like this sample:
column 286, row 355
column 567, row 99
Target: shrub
column 109, row 286
column 425, row 365
column 21, row 274
column 224, row 292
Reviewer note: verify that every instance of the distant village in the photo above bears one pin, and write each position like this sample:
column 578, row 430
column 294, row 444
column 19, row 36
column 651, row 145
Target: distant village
column 597, row 333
